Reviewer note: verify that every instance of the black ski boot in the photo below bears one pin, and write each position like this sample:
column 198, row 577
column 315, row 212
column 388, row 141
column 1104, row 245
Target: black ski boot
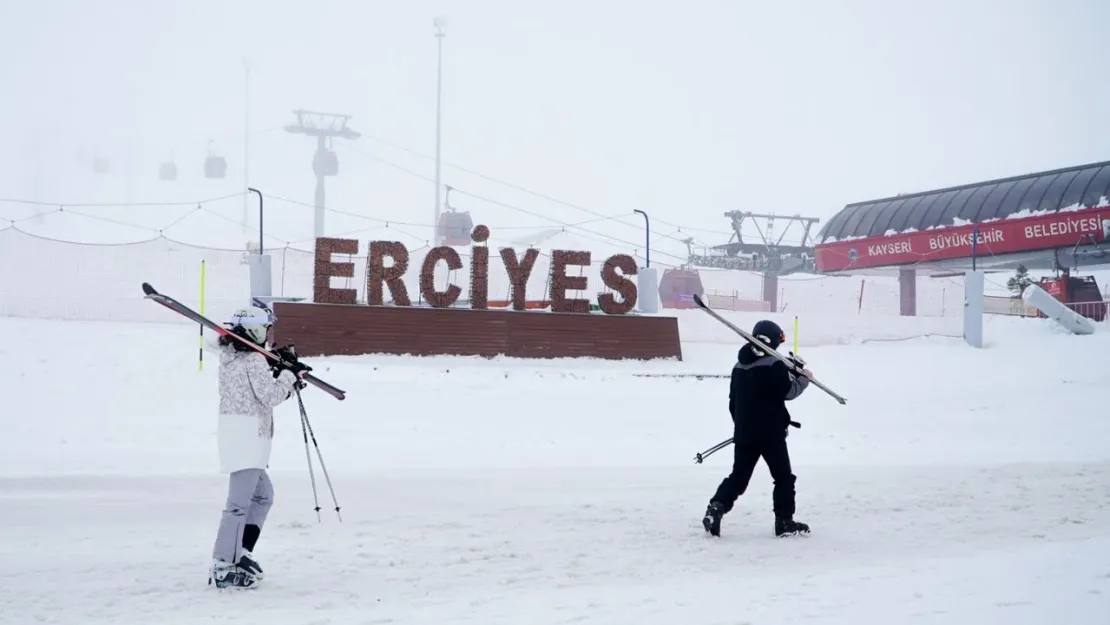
column 247, row 561
column 789, row 527
column 712, row 520
column 249, row 564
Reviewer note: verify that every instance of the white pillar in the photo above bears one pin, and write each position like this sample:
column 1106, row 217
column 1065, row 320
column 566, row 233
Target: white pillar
column 973, row 308
column 260, row 278
column 647, row 290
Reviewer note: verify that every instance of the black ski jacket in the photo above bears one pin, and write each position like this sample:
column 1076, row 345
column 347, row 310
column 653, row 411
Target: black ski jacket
column 761, row 386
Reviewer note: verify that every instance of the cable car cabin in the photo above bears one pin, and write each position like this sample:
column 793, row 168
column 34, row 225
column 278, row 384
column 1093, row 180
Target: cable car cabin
column 215, row 166
column 167, row 171
column 454, row 228
column 325, row 163
column 677, row 288
column 1081, row 294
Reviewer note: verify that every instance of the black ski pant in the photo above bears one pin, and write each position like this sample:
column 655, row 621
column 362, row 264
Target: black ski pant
column 746, row 454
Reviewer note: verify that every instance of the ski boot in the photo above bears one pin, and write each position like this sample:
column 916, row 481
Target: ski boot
column 789, row 527
column 249, row 564
column 712, row 520
column 227, row 575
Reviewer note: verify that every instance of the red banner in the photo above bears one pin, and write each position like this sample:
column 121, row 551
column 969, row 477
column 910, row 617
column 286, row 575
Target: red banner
column 995, row 238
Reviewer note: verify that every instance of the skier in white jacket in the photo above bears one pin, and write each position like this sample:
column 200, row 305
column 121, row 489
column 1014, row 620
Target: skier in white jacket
column 249, row 390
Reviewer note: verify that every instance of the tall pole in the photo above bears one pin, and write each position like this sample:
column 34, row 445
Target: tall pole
column 320, row 201
column 323, row 126
column 438, row 24
column 647, row 237
column 246, row 147
column 259, row 194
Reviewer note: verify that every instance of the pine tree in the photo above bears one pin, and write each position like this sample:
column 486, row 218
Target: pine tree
column 1019, row 281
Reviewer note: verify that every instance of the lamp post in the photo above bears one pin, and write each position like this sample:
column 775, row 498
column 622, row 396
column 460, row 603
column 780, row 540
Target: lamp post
column 246, row 140
column 647, row 237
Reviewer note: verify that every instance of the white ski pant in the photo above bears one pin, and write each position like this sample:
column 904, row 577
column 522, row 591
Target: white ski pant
column 249, row 497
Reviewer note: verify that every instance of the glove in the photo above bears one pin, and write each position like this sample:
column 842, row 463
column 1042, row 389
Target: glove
column 300, row 369
column 286, row 353
column 797, row 364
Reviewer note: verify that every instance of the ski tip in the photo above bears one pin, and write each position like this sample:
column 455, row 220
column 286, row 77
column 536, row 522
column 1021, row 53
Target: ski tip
column 698, row 300
column 149, row 290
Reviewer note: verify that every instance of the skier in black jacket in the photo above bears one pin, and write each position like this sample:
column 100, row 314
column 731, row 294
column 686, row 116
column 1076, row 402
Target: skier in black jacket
column 761, row 385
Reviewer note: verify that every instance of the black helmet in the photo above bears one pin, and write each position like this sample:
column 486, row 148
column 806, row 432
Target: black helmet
column 770, row 333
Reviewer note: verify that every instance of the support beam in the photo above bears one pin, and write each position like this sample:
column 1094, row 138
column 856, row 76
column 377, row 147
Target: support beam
column 771, row 290
column 907, row 292
column 324, row 127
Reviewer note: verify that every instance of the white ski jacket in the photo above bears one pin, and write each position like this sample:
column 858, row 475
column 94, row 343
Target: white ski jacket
column 248, row 394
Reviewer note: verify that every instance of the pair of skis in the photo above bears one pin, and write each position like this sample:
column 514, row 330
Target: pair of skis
column 185, row 311
column 791, row 364
column 751, row 339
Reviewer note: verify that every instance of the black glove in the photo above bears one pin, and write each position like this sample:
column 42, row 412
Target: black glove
column 796, row 363
column 298, row 366
column 287, row 353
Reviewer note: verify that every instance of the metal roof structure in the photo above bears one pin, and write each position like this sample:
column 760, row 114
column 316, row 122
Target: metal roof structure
column 1082, row 186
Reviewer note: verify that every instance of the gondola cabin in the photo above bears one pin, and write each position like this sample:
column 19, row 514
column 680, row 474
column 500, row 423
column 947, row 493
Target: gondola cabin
column 454, row 228
column 325, row 163
column 678, row 286
column 215, row 166
column 167, row 171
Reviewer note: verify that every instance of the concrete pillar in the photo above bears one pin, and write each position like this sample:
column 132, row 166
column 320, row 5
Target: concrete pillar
column 261, row 282
column 973, row 308
column 647, row 290
column 771, row 290
column 907, row 292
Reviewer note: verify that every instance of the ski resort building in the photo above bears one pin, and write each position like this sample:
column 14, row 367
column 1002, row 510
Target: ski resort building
column 1053, row 220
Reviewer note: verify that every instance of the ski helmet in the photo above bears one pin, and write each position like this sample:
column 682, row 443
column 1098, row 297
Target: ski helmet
column 253, row 323
column 770, row 333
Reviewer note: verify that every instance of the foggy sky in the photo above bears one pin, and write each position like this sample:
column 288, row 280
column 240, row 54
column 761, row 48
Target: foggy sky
column 682, row 109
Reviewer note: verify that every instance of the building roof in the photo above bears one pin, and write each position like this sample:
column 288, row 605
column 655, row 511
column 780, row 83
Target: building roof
column 1049, row 191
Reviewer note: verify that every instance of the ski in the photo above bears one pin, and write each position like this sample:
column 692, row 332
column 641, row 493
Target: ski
column 185, row 311
column 751, row 339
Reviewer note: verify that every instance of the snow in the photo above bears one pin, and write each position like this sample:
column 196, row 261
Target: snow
column 958, row 221
column 956, row 486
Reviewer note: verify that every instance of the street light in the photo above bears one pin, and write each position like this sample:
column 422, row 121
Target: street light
column 647, row 237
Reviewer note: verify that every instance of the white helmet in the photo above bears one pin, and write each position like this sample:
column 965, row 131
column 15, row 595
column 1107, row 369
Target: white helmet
column 254, row 321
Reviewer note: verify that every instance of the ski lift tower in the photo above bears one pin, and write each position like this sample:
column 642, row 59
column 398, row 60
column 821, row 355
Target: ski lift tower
column 325, row 127
column 769, row 256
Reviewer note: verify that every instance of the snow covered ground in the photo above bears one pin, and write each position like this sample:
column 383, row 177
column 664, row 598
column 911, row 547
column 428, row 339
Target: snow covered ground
column 956, row 486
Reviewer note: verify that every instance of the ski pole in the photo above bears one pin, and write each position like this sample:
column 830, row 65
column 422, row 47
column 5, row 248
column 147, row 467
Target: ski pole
column 308, row 457
column 712, row 450
column 323, row 467
column 721, row 445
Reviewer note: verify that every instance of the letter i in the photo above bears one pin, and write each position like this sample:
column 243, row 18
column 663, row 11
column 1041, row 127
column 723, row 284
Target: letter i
column 479, row 268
